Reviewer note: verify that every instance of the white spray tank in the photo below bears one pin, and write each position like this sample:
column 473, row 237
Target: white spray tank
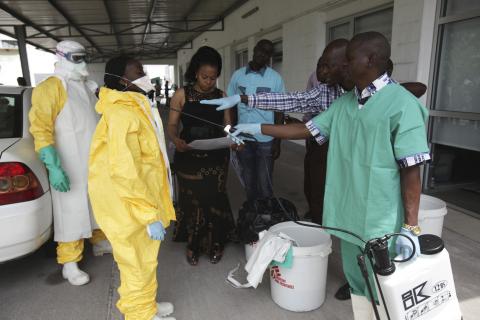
column 421, row 289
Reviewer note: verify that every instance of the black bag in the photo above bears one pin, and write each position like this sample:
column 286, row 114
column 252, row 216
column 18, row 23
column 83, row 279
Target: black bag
column 260, row 215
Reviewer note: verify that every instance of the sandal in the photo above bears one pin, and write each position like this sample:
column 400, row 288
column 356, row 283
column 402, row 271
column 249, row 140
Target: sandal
column 192, row 257
column 216, row 253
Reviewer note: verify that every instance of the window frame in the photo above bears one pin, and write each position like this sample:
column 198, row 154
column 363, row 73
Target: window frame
column 240, row 52
column 351, row 20
column 440, row 23
column 441, row 20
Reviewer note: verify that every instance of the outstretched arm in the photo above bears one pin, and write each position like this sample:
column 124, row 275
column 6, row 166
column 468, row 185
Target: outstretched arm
column 292, row 131
column 315, row 100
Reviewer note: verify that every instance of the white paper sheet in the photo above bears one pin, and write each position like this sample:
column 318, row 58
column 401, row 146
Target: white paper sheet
column 211, row 144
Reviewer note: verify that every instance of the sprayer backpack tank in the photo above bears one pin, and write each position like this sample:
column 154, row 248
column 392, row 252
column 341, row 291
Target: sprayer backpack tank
column 422, row 289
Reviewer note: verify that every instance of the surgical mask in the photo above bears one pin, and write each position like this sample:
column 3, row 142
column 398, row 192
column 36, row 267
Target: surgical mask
column 142, row 83
column 74, row 71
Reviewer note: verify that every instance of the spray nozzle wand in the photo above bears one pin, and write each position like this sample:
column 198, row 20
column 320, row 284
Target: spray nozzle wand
column 229, row 130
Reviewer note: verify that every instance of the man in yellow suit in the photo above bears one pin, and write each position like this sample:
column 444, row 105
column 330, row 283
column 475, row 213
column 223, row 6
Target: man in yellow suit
column 62, row 122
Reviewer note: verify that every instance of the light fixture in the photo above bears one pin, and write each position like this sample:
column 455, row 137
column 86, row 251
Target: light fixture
column 250, row 12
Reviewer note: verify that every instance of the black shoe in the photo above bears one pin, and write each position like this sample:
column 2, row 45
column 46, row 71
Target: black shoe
column 343, row 293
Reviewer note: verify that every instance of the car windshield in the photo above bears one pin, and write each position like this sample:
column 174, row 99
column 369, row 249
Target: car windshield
column 10, row 116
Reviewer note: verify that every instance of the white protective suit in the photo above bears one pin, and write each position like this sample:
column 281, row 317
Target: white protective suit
column 73, row 129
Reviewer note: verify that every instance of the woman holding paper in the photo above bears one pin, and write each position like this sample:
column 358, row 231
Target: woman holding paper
column 204, row 216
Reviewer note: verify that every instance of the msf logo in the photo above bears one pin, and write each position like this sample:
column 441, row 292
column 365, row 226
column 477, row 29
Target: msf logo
column 413, row 297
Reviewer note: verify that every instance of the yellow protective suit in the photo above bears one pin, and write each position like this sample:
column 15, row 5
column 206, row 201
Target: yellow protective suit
column 48, row 100
column 129, row 189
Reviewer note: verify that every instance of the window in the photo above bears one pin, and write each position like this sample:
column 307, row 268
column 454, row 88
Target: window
column 379, row 20
column 455, row 101
column 9, row 44
column 277, row 57
column 454, row 128
column 241, row 58
column 11, row 116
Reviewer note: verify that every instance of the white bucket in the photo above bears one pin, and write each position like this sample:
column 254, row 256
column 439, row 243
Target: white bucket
column 303, row 287
column 431, row 214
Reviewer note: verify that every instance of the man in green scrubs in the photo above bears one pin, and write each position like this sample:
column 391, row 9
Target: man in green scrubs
column 378, row 141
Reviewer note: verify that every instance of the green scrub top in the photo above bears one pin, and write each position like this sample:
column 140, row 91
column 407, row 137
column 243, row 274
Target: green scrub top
column 363, row 193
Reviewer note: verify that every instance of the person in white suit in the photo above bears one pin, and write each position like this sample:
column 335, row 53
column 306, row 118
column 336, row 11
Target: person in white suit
column 62, row 122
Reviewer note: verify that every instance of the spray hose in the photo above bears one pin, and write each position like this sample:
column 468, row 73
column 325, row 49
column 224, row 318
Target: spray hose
column 376, row 248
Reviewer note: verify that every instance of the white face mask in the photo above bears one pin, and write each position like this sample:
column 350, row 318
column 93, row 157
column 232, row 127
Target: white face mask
column 144, row 83
column 75, row 71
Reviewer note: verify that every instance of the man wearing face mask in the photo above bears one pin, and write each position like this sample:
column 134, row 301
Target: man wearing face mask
column 62, row 122
column 129, row 185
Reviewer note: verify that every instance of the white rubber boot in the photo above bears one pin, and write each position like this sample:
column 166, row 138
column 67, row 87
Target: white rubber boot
column 102, row 247
column 164, row 309
column 163, row 318
column 74, row 275
column 363, row 310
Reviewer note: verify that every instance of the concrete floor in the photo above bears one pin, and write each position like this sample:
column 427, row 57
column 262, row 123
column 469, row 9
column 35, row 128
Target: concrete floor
column 32, row 287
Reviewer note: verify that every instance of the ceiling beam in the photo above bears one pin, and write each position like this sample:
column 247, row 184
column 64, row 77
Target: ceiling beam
column 27, row 22
column 149, row 19
column 116, row 23
column 110, row 19
column 195, row 31
column 69, row 19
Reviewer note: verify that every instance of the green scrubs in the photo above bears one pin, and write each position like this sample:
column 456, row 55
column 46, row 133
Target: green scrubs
column 363, row 191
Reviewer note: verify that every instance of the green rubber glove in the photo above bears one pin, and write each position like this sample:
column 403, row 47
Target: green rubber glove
column 57, row 176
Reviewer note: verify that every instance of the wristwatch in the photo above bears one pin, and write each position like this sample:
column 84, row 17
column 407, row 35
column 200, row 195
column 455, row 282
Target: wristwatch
column 415, row 230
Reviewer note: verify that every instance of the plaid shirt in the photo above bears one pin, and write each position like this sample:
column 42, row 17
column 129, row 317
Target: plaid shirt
column 315, row 100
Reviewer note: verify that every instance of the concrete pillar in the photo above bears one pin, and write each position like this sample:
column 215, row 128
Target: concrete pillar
column 21, row 35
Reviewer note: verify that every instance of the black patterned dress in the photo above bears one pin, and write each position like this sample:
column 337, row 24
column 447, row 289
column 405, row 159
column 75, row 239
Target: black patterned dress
column 204, row 216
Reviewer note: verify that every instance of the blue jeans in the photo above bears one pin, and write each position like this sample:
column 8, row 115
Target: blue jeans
column 257, row 169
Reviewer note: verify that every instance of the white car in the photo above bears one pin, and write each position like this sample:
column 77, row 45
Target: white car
column 25, row 200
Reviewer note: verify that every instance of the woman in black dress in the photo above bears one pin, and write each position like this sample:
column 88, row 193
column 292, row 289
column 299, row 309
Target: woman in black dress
column 204, row 216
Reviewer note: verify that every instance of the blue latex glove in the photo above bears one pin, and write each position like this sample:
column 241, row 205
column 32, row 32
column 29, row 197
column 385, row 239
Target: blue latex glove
column 223, row 103
column 57, row 176
column 249, row 128
column 156, row 231
column 403, row 246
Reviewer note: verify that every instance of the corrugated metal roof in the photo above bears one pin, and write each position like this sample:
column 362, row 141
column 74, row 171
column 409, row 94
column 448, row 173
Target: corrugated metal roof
column 144, row 28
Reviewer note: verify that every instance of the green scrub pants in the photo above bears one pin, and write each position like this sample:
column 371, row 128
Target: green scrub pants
column 351, row 269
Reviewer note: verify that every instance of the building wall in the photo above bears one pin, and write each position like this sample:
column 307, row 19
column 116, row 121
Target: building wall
column 302, row 25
